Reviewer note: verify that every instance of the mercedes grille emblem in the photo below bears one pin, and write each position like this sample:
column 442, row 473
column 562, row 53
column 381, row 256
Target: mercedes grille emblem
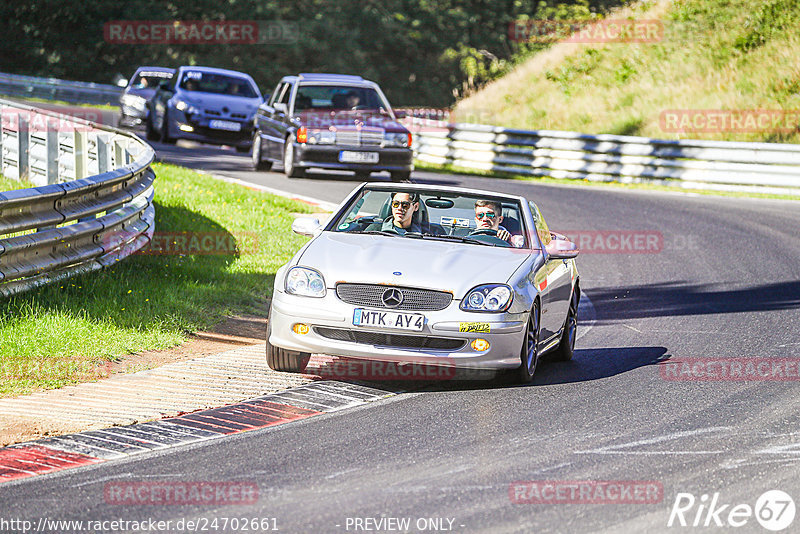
column 392, row 298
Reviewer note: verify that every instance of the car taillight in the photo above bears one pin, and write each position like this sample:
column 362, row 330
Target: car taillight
column 409, row 139
column 302, row 135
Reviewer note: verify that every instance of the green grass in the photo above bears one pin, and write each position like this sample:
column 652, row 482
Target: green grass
column 7, row 184
column 66, row 332
column 732, row 55
column 31, row 100
column 424, row 166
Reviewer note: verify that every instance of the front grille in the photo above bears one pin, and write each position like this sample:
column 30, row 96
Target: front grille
column 213, row 112
column 238, row 116
column 359, row 137
column 413, row 299
column 381, row 339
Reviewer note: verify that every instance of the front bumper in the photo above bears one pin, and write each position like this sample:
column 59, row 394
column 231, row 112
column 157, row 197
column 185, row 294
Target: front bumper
column 196, row 128
column 327, row 157
column 505, row 336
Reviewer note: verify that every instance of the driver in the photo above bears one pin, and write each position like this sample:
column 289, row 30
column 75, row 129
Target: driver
column 488, row 216
column 352, row 100
column 404, row 205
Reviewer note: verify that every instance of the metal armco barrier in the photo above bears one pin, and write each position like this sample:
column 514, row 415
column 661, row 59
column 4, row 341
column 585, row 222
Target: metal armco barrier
column 55, row 89
column 768, row 167
column 92, row 205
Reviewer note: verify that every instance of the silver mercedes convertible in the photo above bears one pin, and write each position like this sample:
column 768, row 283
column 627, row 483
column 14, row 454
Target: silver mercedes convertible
column 427, row 275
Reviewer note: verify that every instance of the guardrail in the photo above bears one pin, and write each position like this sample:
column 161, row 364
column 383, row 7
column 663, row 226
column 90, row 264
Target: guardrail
column 764, row 167
column 92, row 205
column 55, row 89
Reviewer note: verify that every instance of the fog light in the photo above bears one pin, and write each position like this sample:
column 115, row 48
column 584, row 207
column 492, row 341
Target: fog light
column 185, row 128
column 300, row 328
column 480, row 345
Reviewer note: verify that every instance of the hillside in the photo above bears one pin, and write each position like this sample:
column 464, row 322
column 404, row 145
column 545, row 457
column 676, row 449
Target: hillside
column 736, row 55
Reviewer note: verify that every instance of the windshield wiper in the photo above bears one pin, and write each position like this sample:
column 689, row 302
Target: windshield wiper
column 376, row 232
column 463, row 239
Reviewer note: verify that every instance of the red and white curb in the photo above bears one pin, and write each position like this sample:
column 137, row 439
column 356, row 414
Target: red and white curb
column 74, row 450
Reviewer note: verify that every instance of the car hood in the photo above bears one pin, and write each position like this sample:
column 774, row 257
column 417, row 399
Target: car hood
column 146, row 93
column 349, row 119
column 426, row 263
column 234, row 104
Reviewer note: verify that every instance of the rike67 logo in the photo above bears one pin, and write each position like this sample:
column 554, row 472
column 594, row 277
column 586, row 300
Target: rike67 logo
column 774, row 510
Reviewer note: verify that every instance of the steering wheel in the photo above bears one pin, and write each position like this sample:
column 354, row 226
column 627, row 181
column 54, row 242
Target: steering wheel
column 484, row 231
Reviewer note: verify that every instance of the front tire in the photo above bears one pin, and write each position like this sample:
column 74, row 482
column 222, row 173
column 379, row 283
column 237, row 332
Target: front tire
column 566, row 347
column 530, row 346
column 165, row 138
column 152, row 134
column 288, row 161
column 258, row 163
column 288, row 361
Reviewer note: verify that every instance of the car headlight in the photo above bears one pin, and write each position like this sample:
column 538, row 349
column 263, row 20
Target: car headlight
column 305, row 282
column 488, row 298
column 401, row 139
column 187, row 108
column 321, row 137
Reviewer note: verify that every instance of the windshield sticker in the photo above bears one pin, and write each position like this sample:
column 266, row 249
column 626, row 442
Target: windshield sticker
column 482, row 328
column 455, row 221
column 194, row 75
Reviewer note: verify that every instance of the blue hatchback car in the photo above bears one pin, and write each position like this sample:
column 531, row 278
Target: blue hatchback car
column 205, row 104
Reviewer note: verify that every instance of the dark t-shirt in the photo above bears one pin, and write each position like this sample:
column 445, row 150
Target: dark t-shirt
column 388, row 226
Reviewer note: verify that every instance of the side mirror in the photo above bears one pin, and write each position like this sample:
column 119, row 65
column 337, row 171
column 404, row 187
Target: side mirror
column 280, row 106
column 309, row 226
column 400, row 114
column 164, row 85
column 561, row 248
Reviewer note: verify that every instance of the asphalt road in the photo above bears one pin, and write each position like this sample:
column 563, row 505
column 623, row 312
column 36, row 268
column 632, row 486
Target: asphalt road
column 722, row 284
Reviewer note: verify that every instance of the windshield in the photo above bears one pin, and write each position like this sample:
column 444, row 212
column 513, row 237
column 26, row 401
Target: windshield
column 338, row 98
column 464, row 218
column 220, row 84
column 149, row 80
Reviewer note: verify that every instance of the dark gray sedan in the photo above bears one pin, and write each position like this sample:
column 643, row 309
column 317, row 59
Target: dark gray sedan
column 331, row 121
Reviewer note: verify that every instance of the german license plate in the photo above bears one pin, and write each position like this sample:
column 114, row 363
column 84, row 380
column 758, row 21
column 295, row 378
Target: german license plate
column 348, row 156
column 225, row 125
column 388, row 319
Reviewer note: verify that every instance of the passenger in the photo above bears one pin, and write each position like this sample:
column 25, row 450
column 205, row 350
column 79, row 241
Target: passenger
column 488, row 216
column 404, row 205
